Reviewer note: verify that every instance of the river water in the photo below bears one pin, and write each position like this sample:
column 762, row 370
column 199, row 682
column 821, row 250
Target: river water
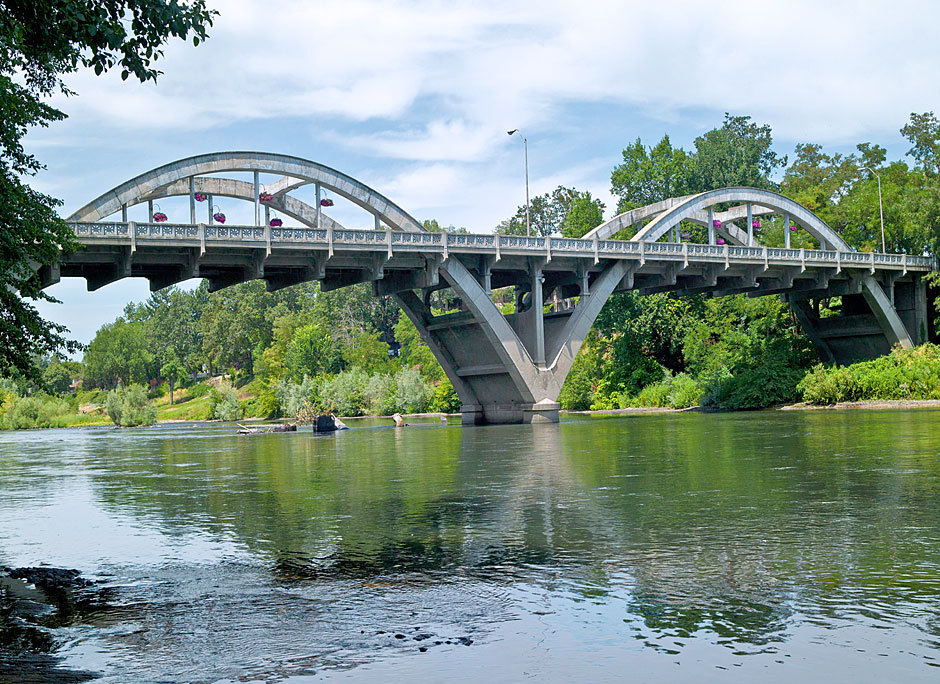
column 760, row 547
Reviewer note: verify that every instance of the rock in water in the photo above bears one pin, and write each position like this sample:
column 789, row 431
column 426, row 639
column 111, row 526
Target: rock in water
column 50, row 578
column 325, row 424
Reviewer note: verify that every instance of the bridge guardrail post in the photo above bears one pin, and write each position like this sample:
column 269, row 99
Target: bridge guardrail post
column 904, row 263
column 872, row 262
column 766, row 258
column 267, row 239
column 444, row 241
column 548, row 248
column 496, row 240
column 132, row 232
column 388, row 241
column 597, row 257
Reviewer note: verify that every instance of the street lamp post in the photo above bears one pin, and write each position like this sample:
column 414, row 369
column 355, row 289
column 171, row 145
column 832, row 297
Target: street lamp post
column 881, row 210
column 525, row 147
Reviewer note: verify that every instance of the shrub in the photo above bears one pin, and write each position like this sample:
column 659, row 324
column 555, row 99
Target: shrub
column 291, row 396
column 903, row 374
column 380, row 394
column 678, row 392
column 444, row 398
column 413, row 393
column 223, row 402
column 345, row 393
column 129, row 407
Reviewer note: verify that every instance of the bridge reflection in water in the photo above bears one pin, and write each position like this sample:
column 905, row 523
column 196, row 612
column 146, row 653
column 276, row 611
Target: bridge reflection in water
column 505, row 368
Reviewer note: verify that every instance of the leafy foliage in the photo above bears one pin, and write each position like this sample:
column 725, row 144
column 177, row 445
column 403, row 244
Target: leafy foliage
column 40, row 40
column 902, row 375
column 223, row 402
column 129, row 407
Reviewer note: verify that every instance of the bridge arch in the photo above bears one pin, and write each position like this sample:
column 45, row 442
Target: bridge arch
column 302, row 170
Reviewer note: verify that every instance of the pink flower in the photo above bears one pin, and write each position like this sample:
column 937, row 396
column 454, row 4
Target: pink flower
column 719, row 241
column 793, row 227
column 276, row 223
column 220, row 217
column 716, row 223
column 199, row 197
column 159, row 217
column 326, row 203
column 755, row 224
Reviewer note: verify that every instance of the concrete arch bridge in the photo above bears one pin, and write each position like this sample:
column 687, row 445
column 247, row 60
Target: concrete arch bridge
column 505, row 368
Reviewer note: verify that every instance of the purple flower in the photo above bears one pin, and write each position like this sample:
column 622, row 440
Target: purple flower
column 266, row 197
column 755, row 224
column 199, row 197
column 685, row 236
column 326, row 203
column 719, row 241
column 159, row 217
column 716, row 223
column 220, row 217
column 792, row 227
column 276, row 223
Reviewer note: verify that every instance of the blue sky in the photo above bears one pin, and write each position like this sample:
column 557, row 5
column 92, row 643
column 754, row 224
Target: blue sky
column 415, row 98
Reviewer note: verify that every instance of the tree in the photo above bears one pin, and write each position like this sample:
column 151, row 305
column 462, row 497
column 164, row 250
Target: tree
column 738, row 153
column 40, row 41
column 584, row 213
column 547, row 213
column 118, row 354
column 651, row 176
column 923, row 130
column 174, row 372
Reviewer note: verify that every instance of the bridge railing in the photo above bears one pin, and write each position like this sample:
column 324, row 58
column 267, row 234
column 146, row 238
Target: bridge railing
column 217, row 235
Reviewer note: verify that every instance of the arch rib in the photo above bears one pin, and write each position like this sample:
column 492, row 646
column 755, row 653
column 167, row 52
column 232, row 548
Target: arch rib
column 132, row 191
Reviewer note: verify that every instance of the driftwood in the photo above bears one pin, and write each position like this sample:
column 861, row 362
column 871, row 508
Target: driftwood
column 286, row 427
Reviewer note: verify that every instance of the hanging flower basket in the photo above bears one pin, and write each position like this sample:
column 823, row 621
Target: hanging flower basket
column 793, row 227
column 200, row 197
column 719, row 241
column 218, row 217
column 159, row 217
column 326, row 203
column 716, row 223
column 266, row 197
column 755, row 224
column 275, row 223
column 685, row 236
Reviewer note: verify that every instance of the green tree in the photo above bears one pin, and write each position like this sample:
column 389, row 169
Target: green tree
column 119, row 353
column 235, row 324
column 57, row 377
column 546, row 213
column 648, row 176
column 40, row 41
column 923, row 130
column 175, row 372
column 584, row 214
column 737, row 153
column 310, row 352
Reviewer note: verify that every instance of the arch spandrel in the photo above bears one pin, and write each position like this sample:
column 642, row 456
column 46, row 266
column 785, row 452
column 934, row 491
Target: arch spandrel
column 134, row 190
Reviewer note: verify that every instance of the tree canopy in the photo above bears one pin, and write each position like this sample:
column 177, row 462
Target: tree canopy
column 40, row 42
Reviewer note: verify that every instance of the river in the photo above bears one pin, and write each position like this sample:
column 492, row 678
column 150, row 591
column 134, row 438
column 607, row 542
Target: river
column 760, row 547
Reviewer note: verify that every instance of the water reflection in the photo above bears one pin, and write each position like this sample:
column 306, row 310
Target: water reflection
column 752, row 533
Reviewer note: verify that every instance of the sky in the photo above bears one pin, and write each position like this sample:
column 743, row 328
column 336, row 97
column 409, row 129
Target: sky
column 415, row 98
